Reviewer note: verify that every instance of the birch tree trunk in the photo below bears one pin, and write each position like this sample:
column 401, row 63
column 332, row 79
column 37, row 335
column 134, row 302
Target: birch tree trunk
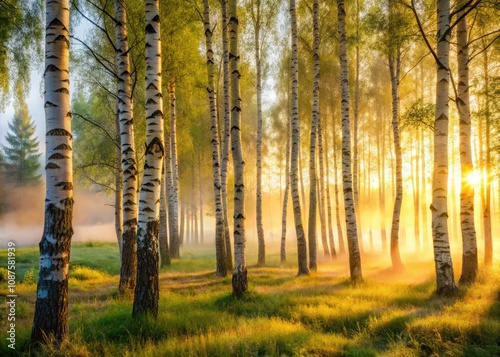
column 469, row 244
column 118, row 189
column 174, row 216
column 486, row 193
column 50, row 322
column 220, row 252
column 128, row 270
column 333, row 251
column 336, row 187
column 395, row 70
column 226, row 136
column 439, row 207
column 381, row 181
column 200, row 191
column 351, row 229
column 261, row 257
column 239, row 280
column 163, row 234
column 313, row 202
column 147, row 291
column 286, row 194
column 294, row 166
column 355, row 161
column 321, row 188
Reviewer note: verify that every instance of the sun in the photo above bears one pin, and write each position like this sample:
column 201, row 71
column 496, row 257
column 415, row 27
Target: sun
column 474, row 178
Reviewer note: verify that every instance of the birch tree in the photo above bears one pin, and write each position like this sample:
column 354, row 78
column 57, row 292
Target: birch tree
column 394, row 54
column 294, row 164
column 220, row 252
column 147, row 290
column 174, row 194
column 313, row 202
column 469, row 244
column 239, row 280
column 351, row 229
column 128, row 270
column 226, row 133
column 50, row 322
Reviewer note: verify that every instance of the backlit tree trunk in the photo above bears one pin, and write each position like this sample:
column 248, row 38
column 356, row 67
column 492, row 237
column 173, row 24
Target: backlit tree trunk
column 294, row 166
column 395, row 70
column 129, row 166
column 321, row 189
column 239, row 281
column 313, row 201
column 261, row 257
column 163, row 234
column 337, row 201
column 174, row 219
column 352, row 235
column 439, row 207
column 50, row 323
column 147, row 290
column 226, row 135
column 220, row 253
column 486, row 192
column 286, row 194
column 333, row 252
column 381, row 182
column 118, row 189
column 469, row 244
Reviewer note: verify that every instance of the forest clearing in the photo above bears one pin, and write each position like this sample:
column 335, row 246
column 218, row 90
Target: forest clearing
column 284, row 315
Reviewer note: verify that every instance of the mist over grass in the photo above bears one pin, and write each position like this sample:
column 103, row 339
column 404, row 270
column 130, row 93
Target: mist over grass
column 284, row 315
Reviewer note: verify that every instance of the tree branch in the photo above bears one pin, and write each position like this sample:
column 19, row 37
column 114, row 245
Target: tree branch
column 90, row 121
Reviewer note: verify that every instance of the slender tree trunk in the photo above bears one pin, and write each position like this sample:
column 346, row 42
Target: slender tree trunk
column 118, row 188
column 336, row 188
column 469, row 244
column 129, row 166
column 395, row 70
column 442, row 257
column 200, row 191
column 294, row 166
column 313, row 199
column 321, row 188
column 147, row 292
column 355, row 161
column 381, row 183
column 488, row 242
column 333, row 252
column 423, row 183
column 261, row 257
column 182, row 226
column 227, row 136
column 416, row 190
column 164, row 249
column 352, row 235
column 174, row 219
column 220, row 252
column 239, row 281
column 286, row 194
column 50, row 323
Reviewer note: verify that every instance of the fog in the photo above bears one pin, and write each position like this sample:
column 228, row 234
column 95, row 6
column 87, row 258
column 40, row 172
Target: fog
column 22, row 220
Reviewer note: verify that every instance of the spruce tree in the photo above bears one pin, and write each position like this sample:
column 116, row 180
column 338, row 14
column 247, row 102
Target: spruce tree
column 21, row 162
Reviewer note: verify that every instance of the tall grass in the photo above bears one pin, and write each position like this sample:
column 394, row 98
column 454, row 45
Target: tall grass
column 284, row 315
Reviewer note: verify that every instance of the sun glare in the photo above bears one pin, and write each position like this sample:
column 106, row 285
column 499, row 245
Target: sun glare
column 474, row 178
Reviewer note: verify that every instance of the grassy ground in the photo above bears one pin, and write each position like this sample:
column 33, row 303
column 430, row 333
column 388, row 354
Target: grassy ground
column 284, row 315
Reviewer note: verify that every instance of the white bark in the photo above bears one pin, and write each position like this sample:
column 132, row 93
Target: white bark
column 174, row 231
column 51, row 309
column 469, row 244
column 129, row 166
column 220, row 252
column 442, row 257
column 147, row 289
column 294, row 166
column 351, row 229
column 239, row 281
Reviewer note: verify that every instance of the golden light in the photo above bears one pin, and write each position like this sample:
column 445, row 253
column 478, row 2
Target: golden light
column 474, row 178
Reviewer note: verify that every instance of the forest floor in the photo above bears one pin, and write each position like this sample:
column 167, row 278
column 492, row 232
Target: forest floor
column 322, row 314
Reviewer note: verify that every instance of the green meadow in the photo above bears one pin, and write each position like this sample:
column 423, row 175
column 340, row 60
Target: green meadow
column 283, row 315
